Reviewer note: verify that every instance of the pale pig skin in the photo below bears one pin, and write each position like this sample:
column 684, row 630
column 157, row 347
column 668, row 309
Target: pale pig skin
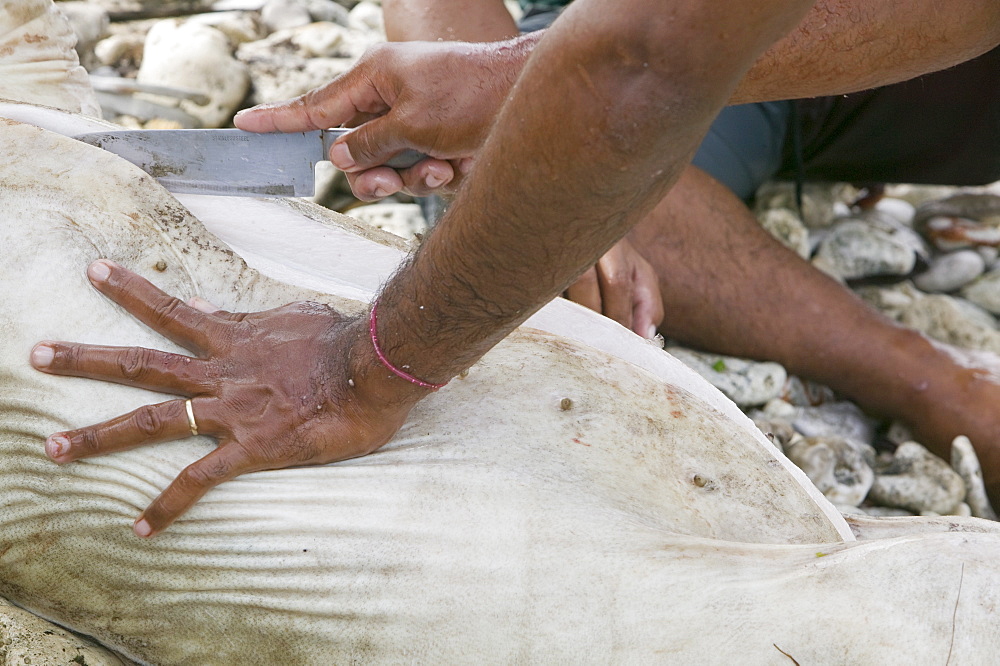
column 558, row 504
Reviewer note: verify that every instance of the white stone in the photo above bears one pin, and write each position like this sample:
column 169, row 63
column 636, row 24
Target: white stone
column 919, row 194
column 965, row 461
column 778, row 408
column 890, row 225
column 367, row 15
column 195, row 57
column 403, row 220
column 747, row 383
column 980, row 206
column 280, row 66
column 975, row 313
column 238, row 27
column 321, row 40
column 328, row 10
column 966, row 219
column 891, row 301
column 819, row 201
column 900, row 209
column 963, row 510
column 898, row 433
column 112, row 50
column 953, row 321
column 280, row 77
column 854, row 249
column 989, row 255
column 285, row 14
column 956, row 233
column 787, row 227
column 951, row 271
column 841, row 468
column 985, row 292
column 836, row 420
column 780, row 432
column 805, row 393
column 919, row 481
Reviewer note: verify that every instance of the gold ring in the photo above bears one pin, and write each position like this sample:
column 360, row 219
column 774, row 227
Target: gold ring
column 190, row 412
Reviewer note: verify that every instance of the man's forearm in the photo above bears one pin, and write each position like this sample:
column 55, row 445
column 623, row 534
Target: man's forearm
column 600, row 122
column 843, row 46
column 447, row 20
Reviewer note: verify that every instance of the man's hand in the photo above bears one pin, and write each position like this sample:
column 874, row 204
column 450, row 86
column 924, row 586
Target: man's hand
column 437, row 98
column 297, row 385
column 622, row 286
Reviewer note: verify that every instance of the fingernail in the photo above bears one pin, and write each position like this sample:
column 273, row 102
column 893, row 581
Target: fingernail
column 651, row 332
column 142, row 528
column 56, row 446
column 99, row 271
column 42, row 355
column 340, row 155
column 434, row 181
column 381, row 192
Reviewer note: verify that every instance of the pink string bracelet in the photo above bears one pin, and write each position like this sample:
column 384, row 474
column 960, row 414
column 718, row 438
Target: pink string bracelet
column 372, row 320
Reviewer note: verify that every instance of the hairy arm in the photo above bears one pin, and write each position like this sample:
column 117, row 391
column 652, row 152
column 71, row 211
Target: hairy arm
column 448, row 20
column 608, row 109
column 843, row 46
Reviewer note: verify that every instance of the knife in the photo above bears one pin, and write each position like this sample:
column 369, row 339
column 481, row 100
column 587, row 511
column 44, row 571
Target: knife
column 230, row 161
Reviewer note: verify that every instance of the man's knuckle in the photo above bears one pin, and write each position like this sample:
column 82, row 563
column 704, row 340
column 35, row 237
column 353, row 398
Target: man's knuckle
column 197, row 477
column 66, row 357
column 148, row 421
column 364, row 147
column 378, row 53
column 133, row 362
column 87, row 442
column 166, row 310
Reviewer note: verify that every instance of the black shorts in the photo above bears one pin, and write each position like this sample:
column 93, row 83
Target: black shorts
column 941, row 128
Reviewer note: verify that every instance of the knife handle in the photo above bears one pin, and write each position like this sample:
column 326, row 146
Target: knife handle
column 403, row 160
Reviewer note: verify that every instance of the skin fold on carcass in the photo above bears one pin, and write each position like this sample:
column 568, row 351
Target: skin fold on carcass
column 557, row 504
column 37, row 61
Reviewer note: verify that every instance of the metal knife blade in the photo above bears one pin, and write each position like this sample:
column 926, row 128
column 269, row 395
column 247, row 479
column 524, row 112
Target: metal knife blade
column 230, row 161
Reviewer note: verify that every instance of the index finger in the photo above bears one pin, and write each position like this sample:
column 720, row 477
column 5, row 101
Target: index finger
column 169, row 316
column 328, row 106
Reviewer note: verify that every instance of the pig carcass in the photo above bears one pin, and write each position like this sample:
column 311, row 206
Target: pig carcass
column 578, row 497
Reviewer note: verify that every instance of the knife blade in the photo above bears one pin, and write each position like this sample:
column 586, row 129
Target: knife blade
column 230, row 161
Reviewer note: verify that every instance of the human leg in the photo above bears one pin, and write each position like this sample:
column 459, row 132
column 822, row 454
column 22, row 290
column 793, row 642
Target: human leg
column 728, row 287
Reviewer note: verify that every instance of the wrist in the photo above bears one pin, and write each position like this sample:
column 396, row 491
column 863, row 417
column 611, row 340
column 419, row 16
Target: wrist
column 402, row 373
column 371, row 380
column 512, row 54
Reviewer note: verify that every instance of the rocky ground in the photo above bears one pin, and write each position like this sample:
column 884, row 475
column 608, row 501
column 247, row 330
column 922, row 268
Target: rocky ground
column 194, row 63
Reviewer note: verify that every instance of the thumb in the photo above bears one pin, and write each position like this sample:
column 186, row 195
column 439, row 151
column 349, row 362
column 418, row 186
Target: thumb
column 371, row 144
